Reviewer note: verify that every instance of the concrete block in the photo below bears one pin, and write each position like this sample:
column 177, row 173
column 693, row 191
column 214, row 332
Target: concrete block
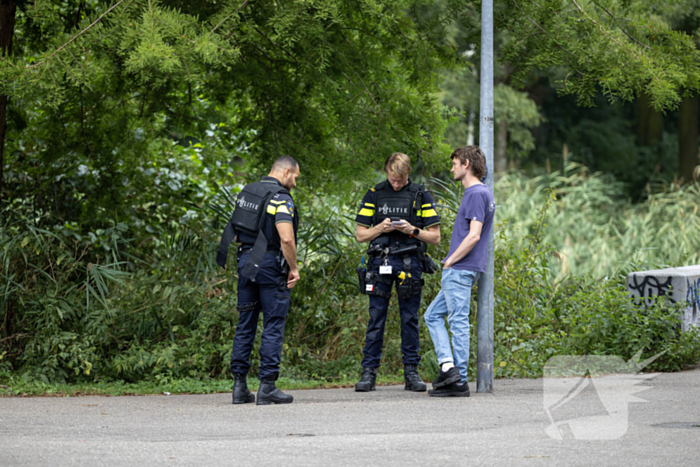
column 677, row 285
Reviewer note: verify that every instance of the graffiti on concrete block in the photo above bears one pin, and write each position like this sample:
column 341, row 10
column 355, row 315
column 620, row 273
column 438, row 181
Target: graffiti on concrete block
column 692, row 296
column 647, row 288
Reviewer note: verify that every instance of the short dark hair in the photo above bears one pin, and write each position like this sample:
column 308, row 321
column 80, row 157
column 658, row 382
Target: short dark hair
column 285, row 162
column 476, row 158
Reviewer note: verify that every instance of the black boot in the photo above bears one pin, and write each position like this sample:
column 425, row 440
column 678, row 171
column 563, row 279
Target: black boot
column 367, row 380
column 412, row 379
column 241, row 394
column 270, row 394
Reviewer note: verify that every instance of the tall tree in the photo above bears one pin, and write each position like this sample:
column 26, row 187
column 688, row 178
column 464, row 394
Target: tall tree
column 515, row 112
column 684, row 15
column 8, row 9
column 337, row 83
column 619, row 47
column 651, row 121
column 688, row 137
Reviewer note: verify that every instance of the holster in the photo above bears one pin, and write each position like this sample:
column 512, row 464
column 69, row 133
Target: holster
column 404, row 290
column 409, row 288
column 284, row 265
column 361, row 273
column 429, row 265
column 417, row 286
column 374, row 279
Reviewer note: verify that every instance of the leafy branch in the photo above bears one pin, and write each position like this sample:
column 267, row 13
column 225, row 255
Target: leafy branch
column 80, row 33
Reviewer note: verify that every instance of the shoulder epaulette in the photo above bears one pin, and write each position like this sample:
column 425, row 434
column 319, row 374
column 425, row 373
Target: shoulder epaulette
column 416, row 187
column 379, row 186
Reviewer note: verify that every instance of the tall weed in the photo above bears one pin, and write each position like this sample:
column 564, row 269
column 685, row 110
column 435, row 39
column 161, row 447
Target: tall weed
column 595, row 230
column 101, row 306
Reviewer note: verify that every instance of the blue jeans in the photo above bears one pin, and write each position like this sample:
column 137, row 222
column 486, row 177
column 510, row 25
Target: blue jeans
column 452, row 302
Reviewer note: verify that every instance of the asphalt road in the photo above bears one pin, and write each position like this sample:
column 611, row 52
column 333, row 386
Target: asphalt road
column 340, row 427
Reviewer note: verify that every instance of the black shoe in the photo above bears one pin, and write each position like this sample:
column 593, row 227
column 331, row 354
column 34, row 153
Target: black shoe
column 367, row 381
column 446, row 377
column 241, row 394
column 460, row 389
column 412, row 379
column 270, row 394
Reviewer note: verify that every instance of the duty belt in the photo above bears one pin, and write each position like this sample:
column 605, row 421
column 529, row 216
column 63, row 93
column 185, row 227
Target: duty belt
column 248, row 248
column 410, row 250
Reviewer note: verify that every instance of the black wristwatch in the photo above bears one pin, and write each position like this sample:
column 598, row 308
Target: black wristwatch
column 415, row 232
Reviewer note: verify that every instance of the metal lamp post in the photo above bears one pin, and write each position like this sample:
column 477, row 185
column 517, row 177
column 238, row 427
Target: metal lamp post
column 484, row 316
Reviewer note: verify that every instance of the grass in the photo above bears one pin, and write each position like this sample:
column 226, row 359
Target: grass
column 20, row 387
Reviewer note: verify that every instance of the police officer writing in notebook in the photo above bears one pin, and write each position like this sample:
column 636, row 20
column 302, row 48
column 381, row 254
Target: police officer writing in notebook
column 398, row 218
column 265, row 225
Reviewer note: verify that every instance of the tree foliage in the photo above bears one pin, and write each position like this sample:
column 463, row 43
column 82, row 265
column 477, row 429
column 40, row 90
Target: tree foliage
column 618, row 46
column 125, row 117
column 335, row 83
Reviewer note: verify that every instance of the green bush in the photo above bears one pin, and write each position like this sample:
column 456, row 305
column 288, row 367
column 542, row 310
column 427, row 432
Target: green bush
column 101, row 306
column 537, row 316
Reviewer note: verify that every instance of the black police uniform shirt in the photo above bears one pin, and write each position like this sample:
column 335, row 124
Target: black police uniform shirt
column 427, row 212
column 279, row 209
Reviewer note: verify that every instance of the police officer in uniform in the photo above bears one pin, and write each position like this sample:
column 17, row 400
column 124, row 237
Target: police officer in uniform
column 265, row 224
column 398, row 218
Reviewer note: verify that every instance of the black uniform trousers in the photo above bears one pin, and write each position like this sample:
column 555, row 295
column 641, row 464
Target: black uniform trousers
column 269, row 294
column 408, row 310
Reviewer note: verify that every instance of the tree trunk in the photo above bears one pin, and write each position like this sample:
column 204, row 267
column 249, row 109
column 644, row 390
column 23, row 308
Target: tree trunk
column 8, row 9
column 688, row 138
column 500, row 162
column 651, row 121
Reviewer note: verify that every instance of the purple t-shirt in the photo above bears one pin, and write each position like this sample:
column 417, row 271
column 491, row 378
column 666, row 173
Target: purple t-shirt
column 477, row 204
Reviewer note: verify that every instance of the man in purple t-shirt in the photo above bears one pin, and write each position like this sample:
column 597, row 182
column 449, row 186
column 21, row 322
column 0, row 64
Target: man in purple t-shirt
column 465, row 261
